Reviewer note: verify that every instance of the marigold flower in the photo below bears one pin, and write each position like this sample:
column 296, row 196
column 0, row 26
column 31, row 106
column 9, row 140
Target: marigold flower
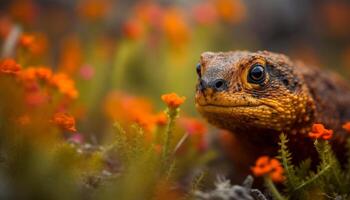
column 346, row 127
column 173, row 100
column 266, row 166
column 64, row 121
column 9, row 66
column 319, row 131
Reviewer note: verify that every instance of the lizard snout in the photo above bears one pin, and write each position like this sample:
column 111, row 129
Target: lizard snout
column 216, row 85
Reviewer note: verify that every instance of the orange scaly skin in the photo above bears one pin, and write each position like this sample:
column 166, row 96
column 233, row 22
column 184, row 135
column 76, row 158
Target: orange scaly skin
column 289, row 98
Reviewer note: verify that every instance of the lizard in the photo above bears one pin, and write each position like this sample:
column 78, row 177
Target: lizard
column 258, row 95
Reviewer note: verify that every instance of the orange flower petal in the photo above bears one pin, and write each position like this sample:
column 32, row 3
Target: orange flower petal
column 173, row 100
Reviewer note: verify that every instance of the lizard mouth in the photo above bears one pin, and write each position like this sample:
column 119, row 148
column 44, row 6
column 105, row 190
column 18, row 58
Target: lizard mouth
column 233, row 109
column 227, row 108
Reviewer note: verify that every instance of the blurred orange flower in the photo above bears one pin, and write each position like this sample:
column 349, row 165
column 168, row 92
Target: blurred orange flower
column 161, row 119
column 233, row 11
column 266, row 166
column 5, row 26
column 9, row 66
column 196, row 129
column 43, row 73
column 35, row 43
column 93, row 10
column 61, row 81
column 26, row 40
column 175, row 27
column 319, row 131
column 149, row 13
column 65, row 85
column 205, row 13
column 71, row 57
column 346, row 127
column 129, row 109
column 64, row 121
column 173, row 100
column 24, row 10
column 133, row 29
column 336, row 16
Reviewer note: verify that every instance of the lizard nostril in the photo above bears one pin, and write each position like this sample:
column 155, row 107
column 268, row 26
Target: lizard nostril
column 219, row 85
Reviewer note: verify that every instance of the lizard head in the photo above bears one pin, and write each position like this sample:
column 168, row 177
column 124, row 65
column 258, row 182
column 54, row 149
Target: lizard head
column 249, row 91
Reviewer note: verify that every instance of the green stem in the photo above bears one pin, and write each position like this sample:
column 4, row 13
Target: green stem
column 172, row 113
column 306, row 183
column 275, row 193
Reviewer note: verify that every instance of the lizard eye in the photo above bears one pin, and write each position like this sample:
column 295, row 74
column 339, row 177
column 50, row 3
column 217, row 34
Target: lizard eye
column 198, row 70
column 256, row 74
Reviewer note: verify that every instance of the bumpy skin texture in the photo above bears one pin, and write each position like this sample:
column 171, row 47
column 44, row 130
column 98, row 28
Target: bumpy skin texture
column 290, row 98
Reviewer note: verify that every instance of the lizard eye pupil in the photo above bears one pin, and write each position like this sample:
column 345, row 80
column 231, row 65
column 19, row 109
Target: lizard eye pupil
column 198, row 69
column 256, row 74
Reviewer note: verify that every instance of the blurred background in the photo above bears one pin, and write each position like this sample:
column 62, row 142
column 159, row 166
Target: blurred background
column 147, row 48
column 123, row 55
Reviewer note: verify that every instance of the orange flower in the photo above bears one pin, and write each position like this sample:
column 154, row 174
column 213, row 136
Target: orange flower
column 319, row 131
column 5, row 26
column 93, row 10
column 175, row 27
column 129, row 109
column 133, row 29
column 64, row 121
column 233, row 11
column 346, row 127
column 196, row 130
column 70, row 55
column 24, row 10
column 205, row 13
column 161, row 119
column 65, row 85
column 35, row 43
column 149, row 13
column 26, row 40
column 43, row 73
column 9, row 66
column 173, row 100
column 266, row 166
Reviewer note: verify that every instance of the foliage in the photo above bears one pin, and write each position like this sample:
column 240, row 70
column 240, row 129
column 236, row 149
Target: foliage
column 329, row 180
